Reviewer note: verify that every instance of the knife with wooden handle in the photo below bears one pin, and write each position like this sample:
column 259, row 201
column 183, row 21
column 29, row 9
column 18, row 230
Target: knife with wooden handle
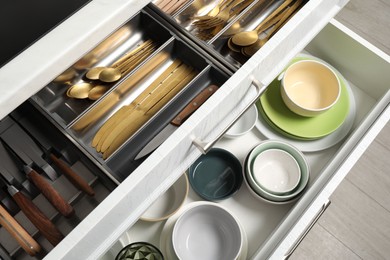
column 23, row 238
column 72, row 176
column 58, row 202
column 50, row 156
column 35, row 215
column 193, row 105
column 42, row 184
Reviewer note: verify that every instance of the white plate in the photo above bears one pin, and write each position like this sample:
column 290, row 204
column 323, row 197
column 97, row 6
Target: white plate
column 166, row 246
column 169, row 202
column 318, row 144
column 243, row 125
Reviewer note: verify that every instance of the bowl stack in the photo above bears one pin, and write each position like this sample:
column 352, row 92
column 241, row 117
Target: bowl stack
column 309, row 101
column 276, row 172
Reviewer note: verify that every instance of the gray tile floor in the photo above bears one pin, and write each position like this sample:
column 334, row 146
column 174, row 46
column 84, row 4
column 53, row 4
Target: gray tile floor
column 357, row 223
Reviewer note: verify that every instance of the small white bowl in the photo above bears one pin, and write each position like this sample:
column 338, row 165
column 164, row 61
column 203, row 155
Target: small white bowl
column 309, row 88
column 168, row 203
column 207, row 232
column 243, row 125
column 260, row 191
column 276, row 171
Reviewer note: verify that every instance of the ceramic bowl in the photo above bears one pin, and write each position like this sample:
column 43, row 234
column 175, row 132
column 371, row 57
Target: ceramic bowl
column 276, row 171
column 207, row 232
column 309, row 88
column 299, row 157
column 246, row 122
column 168, row 203
column 216, row 175
column 140, row 250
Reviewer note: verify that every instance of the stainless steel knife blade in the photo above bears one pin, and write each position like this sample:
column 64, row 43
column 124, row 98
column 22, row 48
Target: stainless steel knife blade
column 156, row 141
column 191, row 107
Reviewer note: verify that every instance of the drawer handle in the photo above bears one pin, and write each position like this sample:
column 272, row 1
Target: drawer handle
column 204, row 147
column 308, row 228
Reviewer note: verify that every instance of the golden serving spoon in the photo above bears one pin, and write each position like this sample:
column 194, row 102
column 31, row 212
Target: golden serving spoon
column 97, row 91
column 250, row 37
column 122, row 65
column 65, row 76
column 100, row 51
column 79, row 91
column 252, row 49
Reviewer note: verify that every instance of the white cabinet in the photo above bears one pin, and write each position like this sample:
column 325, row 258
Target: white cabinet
column 276, row 228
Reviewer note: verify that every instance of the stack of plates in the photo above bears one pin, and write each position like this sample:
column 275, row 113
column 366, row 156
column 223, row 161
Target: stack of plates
column 276, row 121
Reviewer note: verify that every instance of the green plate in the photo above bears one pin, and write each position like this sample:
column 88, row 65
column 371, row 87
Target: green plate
column 276, row 128
column 299, row 126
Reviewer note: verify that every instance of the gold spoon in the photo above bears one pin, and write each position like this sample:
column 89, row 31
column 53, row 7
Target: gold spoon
column 232, row 46
column 79, row 91
column 96, row 92
column 66, row 75
column 93, row 74
column 252, row 49
column 114, row 73
column 113, row 41
column 250, row 37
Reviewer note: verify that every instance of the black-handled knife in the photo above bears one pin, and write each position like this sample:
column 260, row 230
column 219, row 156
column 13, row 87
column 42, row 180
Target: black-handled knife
column 191, row 107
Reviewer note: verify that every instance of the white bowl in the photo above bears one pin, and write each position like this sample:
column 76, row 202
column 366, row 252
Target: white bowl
column 299, row 157
column 276, row 171
column 310, row 87
column 168, row 203
column 243, row 125
column 207, row 232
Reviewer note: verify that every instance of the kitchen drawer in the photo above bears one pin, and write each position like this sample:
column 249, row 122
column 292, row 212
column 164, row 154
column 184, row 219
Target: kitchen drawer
column 126, row 203
column 274, row 230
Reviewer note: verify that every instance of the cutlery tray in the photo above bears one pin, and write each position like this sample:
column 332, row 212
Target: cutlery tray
column 64, row 109
column 16, row 129
column 247, row 20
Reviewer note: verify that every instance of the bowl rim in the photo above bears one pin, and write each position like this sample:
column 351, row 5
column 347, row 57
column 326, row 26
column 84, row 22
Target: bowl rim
column 298, row 172
column 256, row 114
column 140, row 242
column 311, row 110
column 175, row 209
column 260, row 197
column 237, row 173
column 303, row 183
column 215, row 206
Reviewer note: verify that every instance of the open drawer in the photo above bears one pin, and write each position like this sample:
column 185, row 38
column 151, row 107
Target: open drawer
column 274, row 230
column 122, row 208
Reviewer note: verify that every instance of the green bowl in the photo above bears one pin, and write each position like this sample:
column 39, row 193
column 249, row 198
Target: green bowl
column 140, row 251
column 299, row 157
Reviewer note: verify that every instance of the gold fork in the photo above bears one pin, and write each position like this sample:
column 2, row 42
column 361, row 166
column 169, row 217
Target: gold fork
column 223, row 16
column 213, row 12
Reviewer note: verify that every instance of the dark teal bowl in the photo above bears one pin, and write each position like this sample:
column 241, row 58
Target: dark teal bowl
column 216, row 175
